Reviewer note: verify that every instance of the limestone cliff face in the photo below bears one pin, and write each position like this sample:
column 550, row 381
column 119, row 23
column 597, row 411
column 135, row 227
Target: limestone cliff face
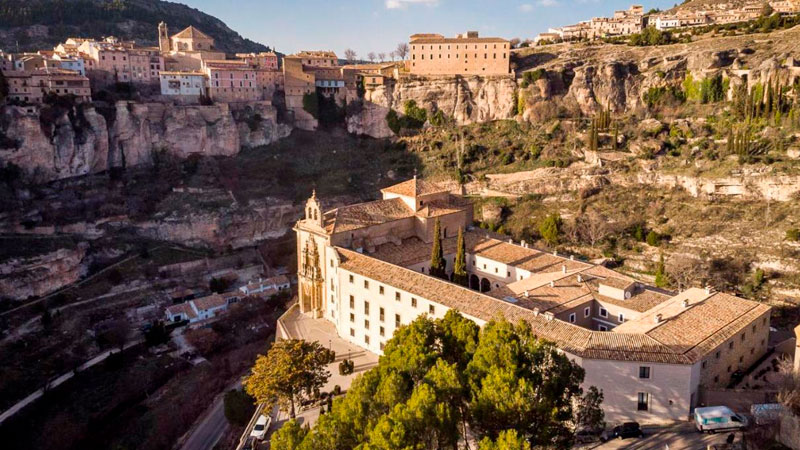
column 466, row 99
column 42, row 274
column 235, row 226
column 80, row 141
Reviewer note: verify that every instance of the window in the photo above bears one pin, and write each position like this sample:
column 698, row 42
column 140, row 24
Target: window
column 366, row 340
column 380, row 290
column 366, row 284
column 508, row 274
column 587, row 311
column 621, row 317
column 413, row 302
column 382, row 331
column 397, row 296
column 352, row 317
column 495, row 270
column 644, row 372
column 352, row 332
column 602, row 328
column 572, row 318
column 366, row 324
column 716, row 378
column 431, row 310
column 729, row 369
column 397, row 320
column 744, row 335
column 730, row 345
column 366, row 307
column 716, row 355
column 351, row 278
column 704, row 364
column 382, row 345
column 603, row 312
column 352, row 302
column 643, row 401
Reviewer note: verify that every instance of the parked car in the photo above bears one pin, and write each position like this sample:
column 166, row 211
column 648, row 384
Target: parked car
column 249, row 444
column 261, row 427
column 587, row 436
column 718, row 418
column 626, row 430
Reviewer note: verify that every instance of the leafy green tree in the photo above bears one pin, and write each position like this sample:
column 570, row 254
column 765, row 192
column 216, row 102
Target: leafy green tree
column 588, row 412
column 550, row 229
column 520, row 382
column 311, row 104
column 506, row 440
column 239, row 407
column 438, row 263
column 291, row 370
column 653, row 239
column 288, row 437
column 460, row 264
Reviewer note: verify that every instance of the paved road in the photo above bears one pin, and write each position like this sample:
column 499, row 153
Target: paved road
column 682, row 436
column 63, row 378
column 212, row 426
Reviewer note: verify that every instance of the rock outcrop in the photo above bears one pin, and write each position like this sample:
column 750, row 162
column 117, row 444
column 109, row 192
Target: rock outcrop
column 63, row 143
column 465, row 99
column 21, row 278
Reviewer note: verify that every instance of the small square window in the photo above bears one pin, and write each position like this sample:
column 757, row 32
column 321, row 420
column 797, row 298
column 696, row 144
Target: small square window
column 730, row 345
column 744, row 335
column 352, row 332
column 716, row 355
column 351, row 278
column 397, row 320
column 621, row 317
column 397, row 296
column 366, row 284
column 352, row 317
column 431, row 310
column 572, row 318
column 603, row 312
column 380, row 290
column 381, row 313
column 382, row 331
column 366, row 340
column 382, row 346
column 716, row 379
column 352, row 302
column 644, row 372
column 413, row 302
column 366, row 324
column 508, row 274
column 587, row 311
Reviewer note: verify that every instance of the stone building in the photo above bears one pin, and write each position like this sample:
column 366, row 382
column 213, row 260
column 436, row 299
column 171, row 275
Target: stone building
column 365, row 268
column 231, row 81
column 466, row 54
column 32, row 86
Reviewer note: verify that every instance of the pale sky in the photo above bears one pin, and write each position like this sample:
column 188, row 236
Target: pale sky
column 378, row 25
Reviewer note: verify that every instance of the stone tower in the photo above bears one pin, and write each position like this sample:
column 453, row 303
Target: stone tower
column 311, row 281
column 163, row 38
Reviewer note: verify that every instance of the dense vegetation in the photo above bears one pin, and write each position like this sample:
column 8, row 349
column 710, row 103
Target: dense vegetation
column 128, row 19
column 441, row 380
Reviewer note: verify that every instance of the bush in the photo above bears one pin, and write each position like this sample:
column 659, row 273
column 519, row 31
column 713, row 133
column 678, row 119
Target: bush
column 653, row 239
column 311, row 104
column 651, row 36
column 239, row 407
column 346, row 367
column 416, row 116
column 533, row 76
column 793, row 234
column 550, row 228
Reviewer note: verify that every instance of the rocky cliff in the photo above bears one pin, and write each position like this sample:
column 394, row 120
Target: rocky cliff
column 59, row 143
column 465, row 99
column 24, row 277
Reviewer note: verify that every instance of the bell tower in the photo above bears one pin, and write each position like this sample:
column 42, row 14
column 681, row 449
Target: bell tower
column 313, row 210
column 163, row 38
column 310, row 280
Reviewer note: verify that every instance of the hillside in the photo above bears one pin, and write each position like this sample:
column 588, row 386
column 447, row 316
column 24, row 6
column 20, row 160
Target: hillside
column 694, row 5
column 37, row 24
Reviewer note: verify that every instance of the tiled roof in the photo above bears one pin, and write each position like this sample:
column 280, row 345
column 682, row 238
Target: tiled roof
column 184, row 308
column 415, row 187
column 210, row 302
column 191, row 32
column 682, row 339
column 354, row 217
column 444, row 40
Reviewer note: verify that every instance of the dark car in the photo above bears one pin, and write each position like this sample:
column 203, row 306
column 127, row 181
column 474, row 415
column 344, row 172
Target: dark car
column 587, row 436
column 626, row 430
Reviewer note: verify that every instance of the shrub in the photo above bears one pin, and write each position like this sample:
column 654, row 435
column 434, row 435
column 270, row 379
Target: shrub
column 239, row 407
column 346, row 367
column 438, row 118
column 653, row 239
column 393, row 121
column 651, row 36
column 416, row 116
column 550, row 228
column 311, row 104
column 533, row 76
column 793, row 234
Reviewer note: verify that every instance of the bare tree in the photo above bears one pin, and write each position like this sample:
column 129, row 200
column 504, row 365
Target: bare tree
column 371, row 56
column 515, row 42
column 116, row 333
column 593, row 227
column 381, row 57
column 402, row 50
column 685, row 271
column 350, row 55
column 393, row 55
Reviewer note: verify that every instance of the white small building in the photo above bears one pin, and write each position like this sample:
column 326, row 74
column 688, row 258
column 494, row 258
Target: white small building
column 75, row 63
column 266, row 287
column 186, row 84
column 200, row 309
column 667, row 23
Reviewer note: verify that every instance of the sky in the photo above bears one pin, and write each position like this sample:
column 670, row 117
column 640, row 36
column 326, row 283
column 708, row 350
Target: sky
column 379, row 25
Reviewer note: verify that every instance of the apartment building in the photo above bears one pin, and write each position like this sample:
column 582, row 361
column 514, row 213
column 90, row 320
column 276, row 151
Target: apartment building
column 465, row 54
column 365, row 268
column 263, row 60
column 231, row 81
column 31, row 86
column 183, row 84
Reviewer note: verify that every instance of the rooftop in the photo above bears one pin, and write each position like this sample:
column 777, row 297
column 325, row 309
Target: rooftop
column 191, row 32
column 353, row 217
column 415, row 187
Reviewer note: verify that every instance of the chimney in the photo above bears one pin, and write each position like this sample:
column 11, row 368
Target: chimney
column 535, row 312
column 552, row 284
column 524, row 244
column 572, row 257
column 563, row 268
column 549, row 316
column 685, row 303
column 708, row 290
column 580, row 278
column 510, row 241
column 525, row 294
column 555, row 252
column 658, row 318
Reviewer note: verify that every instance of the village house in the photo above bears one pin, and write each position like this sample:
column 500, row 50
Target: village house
column 231, row 81
column 466, row 54
column 201, row 309
column 190, row 85
column 266, row 287
column 365, row 268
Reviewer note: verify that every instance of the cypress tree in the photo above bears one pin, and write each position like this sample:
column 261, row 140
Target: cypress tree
column 460, row 263
column 438, row 264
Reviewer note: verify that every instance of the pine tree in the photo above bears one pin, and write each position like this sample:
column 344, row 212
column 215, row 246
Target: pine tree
column 661, row 274
column 438, row 263
column 460, row 263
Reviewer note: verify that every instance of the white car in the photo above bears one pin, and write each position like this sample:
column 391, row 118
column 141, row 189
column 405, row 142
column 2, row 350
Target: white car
column 718, row 418
column 261, row 427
